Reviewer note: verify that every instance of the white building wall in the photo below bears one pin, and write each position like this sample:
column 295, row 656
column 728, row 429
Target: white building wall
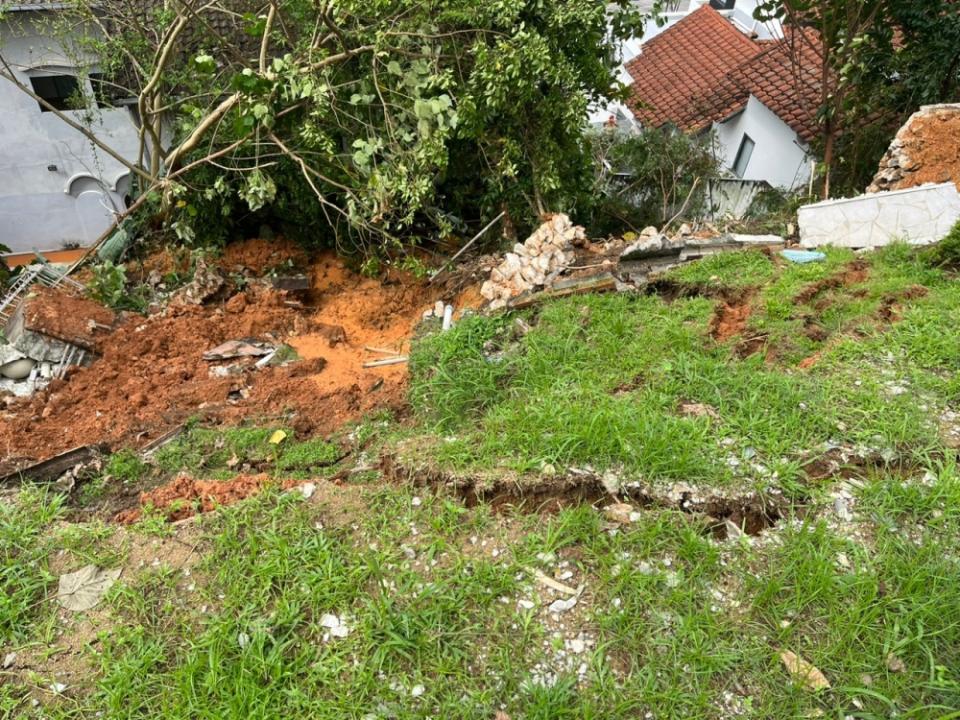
column 779, row 157
column 43, row 208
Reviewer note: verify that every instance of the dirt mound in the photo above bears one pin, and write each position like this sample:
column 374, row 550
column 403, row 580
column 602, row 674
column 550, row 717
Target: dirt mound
column 925, row 150
column 151, row 376
column 183, row 496
column 58, row 314
column 260, row 256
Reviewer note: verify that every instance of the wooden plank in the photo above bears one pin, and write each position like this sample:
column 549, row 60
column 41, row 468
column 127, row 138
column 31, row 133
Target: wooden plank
column 604, row 282
column 386, row 361
column 52, row 468
column 292, row 283
column 165, row 439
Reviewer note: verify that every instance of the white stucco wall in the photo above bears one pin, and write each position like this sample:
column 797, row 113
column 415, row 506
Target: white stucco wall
column 919, row 215
column 43, row 209
column 779, row 157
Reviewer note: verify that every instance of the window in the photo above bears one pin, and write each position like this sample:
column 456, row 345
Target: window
column 61, row 91
column 722, row 4
column 743, row 156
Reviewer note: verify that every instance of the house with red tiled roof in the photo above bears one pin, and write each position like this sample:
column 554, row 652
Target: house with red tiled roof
column 758, row 96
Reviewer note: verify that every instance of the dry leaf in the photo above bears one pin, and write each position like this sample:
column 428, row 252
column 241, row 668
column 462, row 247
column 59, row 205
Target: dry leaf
column 622, row 513
column 83, row 589
column 895, row 664
column 278, row 437
column 804, row 672
column 692, row 409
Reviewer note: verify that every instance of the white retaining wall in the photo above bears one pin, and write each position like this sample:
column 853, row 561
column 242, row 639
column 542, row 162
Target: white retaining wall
column 920, row 216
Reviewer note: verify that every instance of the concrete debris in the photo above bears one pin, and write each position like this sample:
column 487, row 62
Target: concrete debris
column 534, row 263
column 207, row 281
column 50, row 331
column 923, row 151
column 562, row 606
column 242, row 348
column 335, row 625
column 651, row 244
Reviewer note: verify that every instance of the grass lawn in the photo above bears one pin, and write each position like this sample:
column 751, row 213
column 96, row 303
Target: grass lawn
column 371, row 599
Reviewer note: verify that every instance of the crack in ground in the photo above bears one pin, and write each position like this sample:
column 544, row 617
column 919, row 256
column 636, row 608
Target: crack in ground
column 721, row 515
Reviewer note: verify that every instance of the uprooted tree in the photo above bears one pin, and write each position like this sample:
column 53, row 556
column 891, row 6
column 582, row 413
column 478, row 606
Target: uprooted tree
column 360, row 121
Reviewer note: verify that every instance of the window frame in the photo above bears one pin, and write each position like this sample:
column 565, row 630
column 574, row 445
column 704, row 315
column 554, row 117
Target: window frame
column 743, row 155
column 59, row 101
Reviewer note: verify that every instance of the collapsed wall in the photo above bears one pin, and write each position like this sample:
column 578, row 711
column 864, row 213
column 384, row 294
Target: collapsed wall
column 50, row 331
column 925, row 150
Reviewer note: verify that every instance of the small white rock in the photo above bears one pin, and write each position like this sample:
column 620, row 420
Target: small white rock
column 561, row 606
column 417, row 690
column 416, row 502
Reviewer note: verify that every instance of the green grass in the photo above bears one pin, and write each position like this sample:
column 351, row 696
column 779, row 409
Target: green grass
column 671, row 622
column 599, row 379
column 220, row 453
column 678, row 624
column 24, row 557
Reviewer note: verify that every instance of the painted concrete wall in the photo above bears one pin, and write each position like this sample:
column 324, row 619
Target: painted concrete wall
column 919, row 215
column 731, row 198
column 41, row 208
column 778, row 157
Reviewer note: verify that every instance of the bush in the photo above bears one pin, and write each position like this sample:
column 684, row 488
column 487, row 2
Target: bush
column 645, row 178
column 946, row 253
column 109, row 287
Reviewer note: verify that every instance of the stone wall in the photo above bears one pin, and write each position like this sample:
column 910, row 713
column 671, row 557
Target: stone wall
column 925, row 150
column 920, row 216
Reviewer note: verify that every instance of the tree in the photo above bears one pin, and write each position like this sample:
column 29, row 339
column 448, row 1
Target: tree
column 389, row 115
column 880, row 60
column 833, row 31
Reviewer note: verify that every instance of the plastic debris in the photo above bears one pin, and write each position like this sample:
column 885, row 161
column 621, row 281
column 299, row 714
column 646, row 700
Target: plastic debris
column 803, row 256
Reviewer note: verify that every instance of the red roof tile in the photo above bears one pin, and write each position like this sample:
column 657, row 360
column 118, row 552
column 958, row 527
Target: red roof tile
column 679, row 66
column 702, row 70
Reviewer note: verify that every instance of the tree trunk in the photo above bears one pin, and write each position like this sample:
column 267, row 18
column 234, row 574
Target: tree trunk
column 829, row 135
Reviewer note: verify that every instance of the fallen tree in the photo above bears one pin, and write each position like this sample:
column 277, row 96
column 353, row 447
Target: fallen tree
column 358, row 122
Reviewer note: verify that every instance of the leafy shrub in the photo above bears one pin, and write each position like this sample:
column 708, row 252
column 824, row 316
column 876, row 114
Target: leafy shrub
column 109, row 286
column 645, row 178
column 946, row 253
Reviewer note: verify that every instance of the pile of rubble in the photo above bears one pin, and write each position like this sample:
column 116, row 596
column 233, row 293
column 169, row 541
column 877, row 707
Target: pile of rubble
column 925, row 150
column 50, row 332
column 534, row 263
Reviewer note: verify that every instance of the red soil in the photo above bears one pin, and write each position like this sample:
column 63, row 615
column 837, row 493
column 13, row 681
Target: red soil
column 151, row 376
column 730, row 317
column 854, row 273
column 932, row 143
column 72, row 319
column 258, row 255
column 183, row 496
